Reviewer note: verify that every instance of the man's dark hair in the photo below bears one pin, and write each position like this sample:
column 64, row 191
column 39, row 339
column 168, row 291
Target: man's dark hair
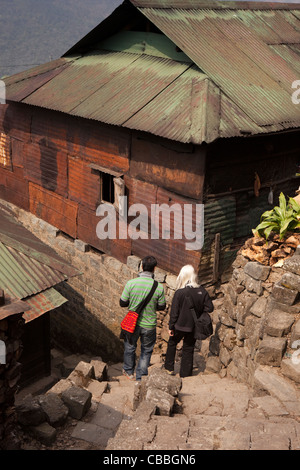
column 149, row 263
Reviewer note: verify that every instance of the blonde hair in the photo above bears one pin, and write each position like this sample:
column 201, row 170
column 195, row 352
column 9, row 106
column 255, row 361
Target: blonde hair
column 187, row 276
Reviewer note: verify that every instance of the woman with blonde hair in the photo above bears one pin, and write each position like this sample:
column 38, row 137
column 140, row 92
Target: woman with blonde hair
column 181, row 324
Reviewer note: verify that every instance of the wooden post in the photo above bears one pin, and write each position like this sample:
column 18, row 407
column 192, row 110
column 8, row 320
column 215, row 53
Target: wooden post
column 216, row 258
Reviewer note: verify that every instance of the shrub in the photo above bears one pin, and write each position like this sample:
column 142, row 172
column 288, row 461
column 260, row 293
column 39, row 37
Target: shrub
column 281, row 219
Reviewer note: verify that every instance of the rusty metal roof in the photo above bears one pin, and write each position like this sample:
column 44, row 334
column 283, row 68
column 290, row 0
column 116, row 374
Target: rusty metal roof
column 29, row 269
column 234, row 77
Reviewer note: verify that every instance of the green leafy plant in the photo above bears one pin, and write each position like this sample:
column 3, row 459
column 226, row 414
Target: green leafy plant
column 281, row 219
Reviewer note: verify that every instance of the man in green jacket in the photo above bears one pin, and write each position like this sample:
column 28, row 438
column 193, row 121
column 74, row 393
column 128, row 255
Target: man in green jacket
column 134, row 292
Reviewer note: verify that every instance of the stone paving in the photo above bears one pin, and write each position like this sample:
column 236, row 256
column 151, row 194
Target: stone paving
column 212, row 413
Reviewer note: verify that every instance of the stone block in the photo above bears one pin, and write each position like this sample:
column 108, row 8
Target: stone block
column 29, row 412
column 55, row 410
column 291, row 369
column 278, row 323
column 160, row 379
column 270, row 351
column 133, row 262
column 78, row 401
column 160, row 275
column 270, row 405
column 291, row 281
column 275, row 385
column 284, row 295
column 44, row 433
column 257, row 271
column 213, row 364
column 100, row 369
column 292, row 264
column 60, row 387
column 253, row 285
column 295, row 336
column 244, row 304
column 171, row 281
column 97, row 389
column 259, row 307
column 163, row 401
column 81, row 246
column 225, row 356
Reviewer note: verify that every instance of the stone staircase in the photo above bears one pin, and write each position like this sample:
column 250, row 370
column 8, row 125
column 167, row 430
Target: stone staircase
column 202, row 412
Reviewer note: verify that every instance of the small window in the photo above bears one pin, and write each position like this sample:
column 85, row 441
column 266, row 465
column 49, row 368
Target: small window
column 107, row 188
column 112, row 187
column 5, row 151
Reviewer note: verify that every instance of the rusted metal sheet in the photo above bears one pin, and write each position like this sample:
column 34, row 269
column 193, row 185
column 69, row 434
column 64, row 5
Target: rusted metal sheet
column 289, row 55
column 89, row 140
column 84, row 184
column 42, row 303
column 21, row 276
column 87, row 226
column 5, row 151
column 13, row 307
column 54, row 209
column 14, row 188
column 182, row 171
column 17, row 122
column 217, row 5
column 46, row 166
column 227, row 65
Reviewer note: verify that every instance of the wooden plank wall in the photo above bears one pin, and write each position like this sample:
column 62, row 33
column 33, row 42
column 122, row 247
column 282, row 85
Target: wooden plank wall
column 51, row 176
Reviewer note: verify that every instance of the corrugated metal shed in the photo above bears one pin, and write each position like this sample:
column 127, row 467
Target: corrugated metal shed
column 29, row 270
column 245, row 55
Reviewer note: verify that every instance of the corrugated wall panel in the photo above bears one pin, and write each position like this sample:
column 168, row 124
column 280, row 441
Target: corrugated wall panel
column 53, row 208
column 47, row 166
column 84, row 185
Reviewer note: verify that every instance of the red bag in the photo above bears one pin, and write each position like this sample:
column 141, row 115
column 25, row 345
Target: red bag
column 129, row 322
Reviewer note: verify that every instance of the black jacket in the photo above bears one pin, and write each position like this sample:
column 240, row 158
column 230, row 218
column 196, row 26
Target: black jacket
column 181, row 315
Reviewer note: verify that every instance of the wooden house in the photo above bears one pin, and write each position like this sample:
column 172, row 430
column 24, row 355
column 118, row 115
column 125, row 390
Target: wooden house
column 166, row 101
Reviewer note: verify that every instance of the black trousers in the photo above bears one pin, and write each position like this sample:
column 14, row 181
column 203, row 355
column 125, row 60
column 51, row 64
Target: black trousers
column 186, row 366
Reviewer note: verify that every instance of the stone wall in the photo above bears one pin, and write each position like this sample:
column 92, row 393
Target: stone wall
column 257, row 320
column 11, row 330
column 90, row 321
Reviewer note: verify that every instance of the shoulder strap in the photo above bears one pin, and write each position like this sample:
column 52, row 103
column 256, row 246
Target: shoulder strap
column 147, row 299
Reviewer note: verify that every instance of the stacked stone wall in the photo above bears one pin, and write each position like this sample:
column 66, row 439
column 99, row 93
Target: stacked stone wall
column 90, row 321
column 258, row 320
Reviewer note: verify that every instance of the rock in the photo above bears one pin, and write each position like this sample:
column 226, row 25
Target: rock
column 292, row 264
column 284, row 295
column 290, row 281
column 70, row 363
column 100, row 369
column 78, row 401
column 60, row 387
column 213, row 364
column 253, row 285
column 278, row 323
column 257, row 270
column 30, row 412
column 97, row 389
column 44, row 433
column 160, row 379
column 270, row 351
column 133, row 262
column 295, row 336
column 270, row 405
column 259, row 307
column 171, row 281
column 291, row 369
column 275, row 385
column 55, row 410
column 163, row 401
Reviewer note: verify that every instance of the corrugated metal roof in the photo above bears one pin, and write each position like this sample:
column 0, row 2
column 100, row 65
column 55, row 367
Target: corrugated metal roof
column 28, row 270
column 22, row 276
column 42, row 303
column 236, row 47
